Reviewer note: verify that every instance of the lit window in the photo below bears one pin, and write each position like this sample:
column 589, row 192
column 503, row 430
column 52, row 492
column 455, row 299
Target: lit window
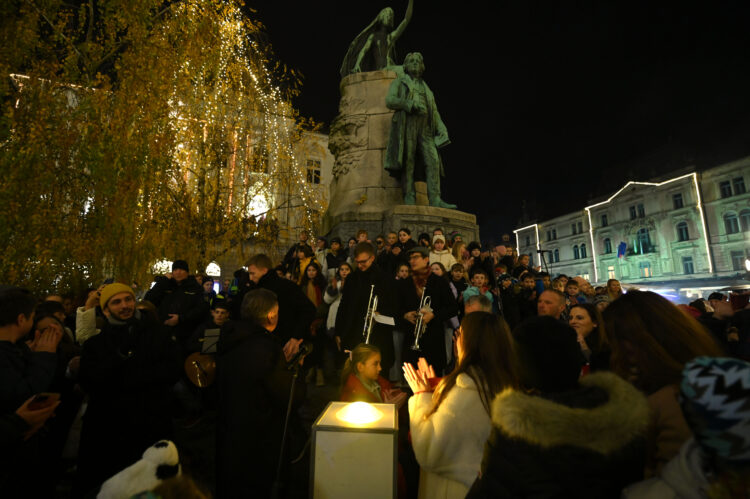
column 687, row 265
column 677, row 200
column 611, row 272
column 313, row 171
column 731, row 223
column 645, row 268
column 682, row 231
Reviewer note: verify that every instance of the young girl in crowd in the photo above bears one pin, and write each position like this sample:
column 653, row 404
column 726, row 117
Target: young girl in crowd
column 651, row 340
column 313, row 284
column 458, row 280
column 402, row 272
column 450, row 426
column 361, row 379
column 332, row 297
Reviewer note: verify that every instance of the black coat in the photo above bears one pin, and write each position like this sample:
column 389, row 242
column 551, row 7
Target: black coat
column 350, row 319
column 296, row 312
column 128, row 371
column 185, row 299
column 444, row 305
column 585, row 443
column 253, row 387
column 23, row 373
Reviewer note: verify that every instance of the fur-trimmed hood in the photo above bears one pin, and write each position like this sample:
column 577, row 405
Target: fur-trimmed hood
column 604, row 429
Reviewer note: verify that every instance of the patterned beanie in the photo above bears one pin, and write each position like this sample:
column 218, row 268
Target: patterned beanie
column 715, row 398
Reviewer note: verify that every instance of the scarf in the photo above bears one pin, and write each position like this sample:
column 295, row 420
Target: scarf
column 420, row 279
column 313, row 293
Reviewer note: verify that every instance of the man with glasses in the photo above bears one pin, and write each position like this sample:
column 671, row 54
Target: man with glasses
column 354, row 301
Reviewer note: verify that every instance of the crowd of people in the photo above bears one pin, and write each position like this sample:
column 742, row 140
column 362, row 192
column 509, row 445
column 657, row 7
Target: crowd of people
column 509, row 382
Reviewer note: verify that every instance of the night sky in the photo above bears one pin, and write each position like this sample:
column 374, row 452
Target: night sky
column 548, row 105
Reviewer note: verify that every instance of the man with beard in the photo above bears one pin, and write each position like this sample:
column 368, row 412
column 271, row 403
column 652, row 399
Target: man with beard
column 350, row 320
column 443, row 307
column 127, row 370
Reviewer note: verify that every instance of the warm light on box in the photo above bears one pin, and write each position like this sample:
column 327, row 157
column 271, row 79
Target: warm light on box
column 354, row 451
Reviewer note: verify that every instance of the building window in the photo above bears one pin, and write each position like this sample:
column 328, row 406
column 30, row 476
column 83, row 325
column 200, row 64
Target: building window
column 528, row 241
column 739, row 185
column 573, row 229
column 645, row 268
column 725, row 188
column 738, row 260
column 556, row 255
column 682, row 231
column 549, row 236
column 576, row 256
column 583, row 251
column 580, row 227
column 554, row 234
column 687, row 265
column 643, row 241
column 586, row 276
column 641, row 211
column 677, row 201
column 745, row 220
column 607, row 246
column 611, row 272
column 605, row 222
column 731, row 223
column 632, row 213
column 313, row 171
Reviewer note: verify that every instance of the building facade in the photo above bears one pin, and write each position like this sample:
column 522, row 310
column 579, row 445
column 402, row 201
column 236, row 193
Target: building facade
column 691, row 225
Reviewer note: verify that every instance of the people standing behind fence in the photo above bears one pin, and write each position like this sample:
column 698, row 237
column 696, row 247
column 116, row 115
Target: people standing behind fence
column 651, row 340
column 450, row 425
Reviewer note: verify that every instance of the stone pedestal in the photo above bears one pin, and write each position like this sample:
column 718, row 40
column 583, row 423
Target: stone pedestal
column 363, row 194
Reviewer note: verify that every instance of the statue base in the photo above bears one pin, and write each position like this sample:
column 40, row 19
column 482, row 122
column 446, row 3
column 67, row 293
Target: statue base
column 417, row 218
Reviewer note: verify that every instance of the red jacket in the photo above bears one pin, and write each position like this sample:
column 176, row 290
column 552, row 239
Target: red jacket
column 354, row 391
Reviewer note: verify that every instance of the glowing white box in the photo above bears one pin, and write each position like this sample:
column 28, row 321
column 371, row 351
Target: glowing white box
column 354, row 460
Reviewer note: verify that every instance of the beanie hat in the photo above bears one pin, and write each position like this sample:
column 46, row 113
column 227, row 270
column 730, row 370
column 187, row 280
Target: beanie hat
column 602, row 299
column 438, row 237
column 180, row 264
column 111, row 290
column 473, row 245
column 160, row 462
column 715, row 399
column 549, row 355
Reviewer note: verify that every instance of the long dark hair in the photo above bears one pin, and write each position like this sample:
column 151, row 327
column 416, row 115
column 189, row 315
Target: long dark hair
column 651, row 339
column 319, row 280
column 489, row 359
column 597, row 339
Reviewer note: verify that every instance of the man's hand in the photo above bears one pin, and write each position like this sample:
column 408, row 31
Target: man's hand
column 49, row 339
column 173, row 320
column 411, row 317
column 93, row 299
column 35, row 418
column 291, row 348
column 427, row 316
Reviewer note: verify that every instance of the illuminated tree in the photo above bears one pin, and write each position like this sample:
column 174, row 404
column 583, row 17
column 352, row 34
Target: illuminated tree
column 137, row 131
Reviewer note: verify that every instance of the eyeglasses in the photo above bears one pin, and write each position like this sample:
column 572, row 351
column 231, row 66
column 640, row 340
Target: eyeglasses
column 362, row 262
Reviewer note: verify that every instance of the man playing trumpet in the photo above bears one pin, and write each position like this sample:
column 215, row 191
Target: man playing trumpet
column 442, row 307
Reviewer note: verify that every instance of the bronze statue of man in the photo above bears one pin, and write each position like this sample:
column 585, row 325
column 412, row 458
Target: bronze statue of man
column 375, row 47
column 416, row 131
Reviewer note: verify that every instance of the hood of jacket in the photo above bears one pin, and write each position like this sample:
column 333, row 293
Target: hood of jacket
column 604, row 429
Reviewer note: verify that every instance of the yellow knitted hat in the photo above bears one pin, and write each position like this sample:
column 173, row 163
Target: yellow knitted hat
column 111, row 290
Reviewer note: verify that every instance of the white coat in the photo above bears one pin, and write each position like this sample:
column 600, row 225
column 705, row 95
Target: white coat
column 449, row 444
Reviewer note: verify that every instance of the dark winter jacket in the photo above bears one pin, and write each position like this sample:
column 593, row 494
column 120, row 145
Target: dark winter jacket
column 444, row 306
column 183, row 298
column 23, row 373
column 128, row 371
column 253, row 387
column 584, row 443
column 296, row 312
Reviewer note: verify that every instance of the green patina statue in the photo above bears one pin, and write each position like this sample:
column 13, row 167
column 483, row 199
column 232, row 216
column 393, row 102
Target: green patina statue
column 375, row 47
column 416, row 131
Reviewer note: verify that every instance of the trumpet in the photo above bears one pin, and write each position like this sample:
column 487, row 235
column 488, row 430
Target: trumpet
column 425, row 303
column 372, row 305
